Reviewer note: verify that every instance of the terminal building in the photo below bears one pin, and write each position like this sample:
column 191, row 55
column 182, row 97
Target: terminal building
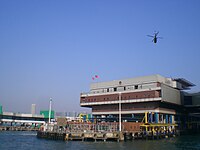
column 164, row 99
column 10, row 119
column 25, row 119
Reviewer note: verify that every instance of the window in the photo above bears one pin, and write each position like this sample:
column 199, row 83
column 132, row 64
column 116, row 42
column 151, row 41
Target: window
column 136, row 86
column 187, row 100
column 107, row 90
column 124, row 88
column 160, row 93
column 115, row 89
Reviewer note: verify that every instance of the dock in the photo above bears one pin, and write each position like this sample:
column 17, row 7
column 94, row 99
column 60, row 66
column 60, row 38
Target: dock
column 103, row 136
column 82, row 136
column 18, row 128
column 107, row 132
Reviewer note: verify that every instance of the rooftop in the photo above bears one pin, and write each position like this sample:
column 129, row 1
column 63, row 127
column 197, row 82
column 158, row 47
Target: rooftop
column 179, row 83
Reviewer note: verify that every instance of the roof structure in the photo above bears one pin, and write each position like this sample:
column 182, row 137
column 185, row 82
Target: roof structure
column 185, row 83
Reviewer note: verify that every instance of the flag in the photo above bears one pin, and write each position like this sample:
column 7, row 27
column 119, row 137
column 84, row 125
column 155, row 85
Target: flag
column 95, row 77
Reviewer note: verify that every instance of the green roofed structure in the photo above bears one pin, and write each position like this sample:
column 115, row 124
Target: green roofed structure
column 45, row 113
column 1, row 110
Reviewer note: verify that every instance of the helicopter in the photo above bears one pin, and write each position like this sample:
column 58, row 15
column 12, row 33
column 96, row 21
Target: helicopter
column 155, row 37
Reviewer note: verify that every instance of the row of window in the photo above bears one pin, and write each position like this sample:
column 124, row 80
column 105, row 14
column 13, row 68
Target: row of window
column 128, row 87
column 123, row 108
column 117, row 98
column 115, row 89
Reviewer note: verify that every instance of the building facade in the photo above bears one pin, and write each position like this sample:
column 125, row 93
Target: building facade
column 33, row 109
column 156, row 95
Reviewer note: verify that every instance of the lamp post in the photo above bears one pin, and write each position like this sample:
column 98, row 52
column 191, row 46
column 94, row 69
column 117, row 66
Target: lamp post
column 120, row 113
column 50, row 110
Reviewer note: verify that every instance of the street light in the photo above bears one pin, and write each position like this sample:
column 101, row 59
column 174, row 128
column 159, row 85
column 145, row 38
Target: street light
column 50, row 110
column 120, row 113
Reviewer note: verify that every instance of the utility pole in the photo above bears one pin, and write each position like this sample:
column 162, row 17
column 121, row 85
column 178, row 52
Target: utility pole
column 120, row 112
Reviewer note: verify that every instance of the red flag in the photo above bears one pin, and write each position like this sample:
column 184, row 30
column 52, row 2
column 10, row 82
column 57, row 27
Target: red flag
column 96, row 76
column 93, row 78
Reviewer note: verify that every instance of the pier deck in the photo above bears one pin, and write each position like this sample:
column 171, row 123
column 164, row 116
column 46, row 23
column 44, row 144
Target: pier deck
column 100, row 136
column 81, row 136
column 18, row 128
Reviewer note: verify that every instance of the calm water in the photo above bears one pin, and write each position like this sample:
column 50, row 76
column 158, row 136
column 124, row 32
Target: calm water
column 10, row 140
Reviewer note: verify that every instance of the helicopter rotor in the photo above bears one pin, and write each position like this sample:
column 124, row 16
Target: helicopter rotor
column 150, row 35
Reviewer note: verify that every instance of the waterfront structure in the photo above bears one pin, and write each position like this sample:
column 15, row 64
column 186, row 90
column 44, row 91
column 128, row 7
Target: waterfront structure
column 128, row 100
column 191, row 116
column 150, row 107
column 192, row 100
column 11, row 119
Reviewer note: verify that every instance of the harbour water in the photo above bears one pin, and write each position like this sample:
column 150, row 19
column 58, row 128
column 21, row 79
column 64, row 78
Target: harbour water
column 12, row 140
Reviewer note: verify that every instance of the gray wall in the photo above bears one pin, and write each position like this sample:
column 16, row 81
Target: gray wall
column 170, row 94
column 196, row 100
column 127, row 82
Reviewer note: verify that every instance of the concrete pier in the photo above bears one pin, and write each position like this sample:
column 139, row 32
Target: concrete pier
column 18, row 128
column 81, row 136
column 108, row 131
column 102, row 136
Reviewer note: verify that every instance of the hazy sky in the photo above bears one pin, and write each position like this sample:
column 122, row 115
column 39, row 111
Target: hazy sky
column 52, row 48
